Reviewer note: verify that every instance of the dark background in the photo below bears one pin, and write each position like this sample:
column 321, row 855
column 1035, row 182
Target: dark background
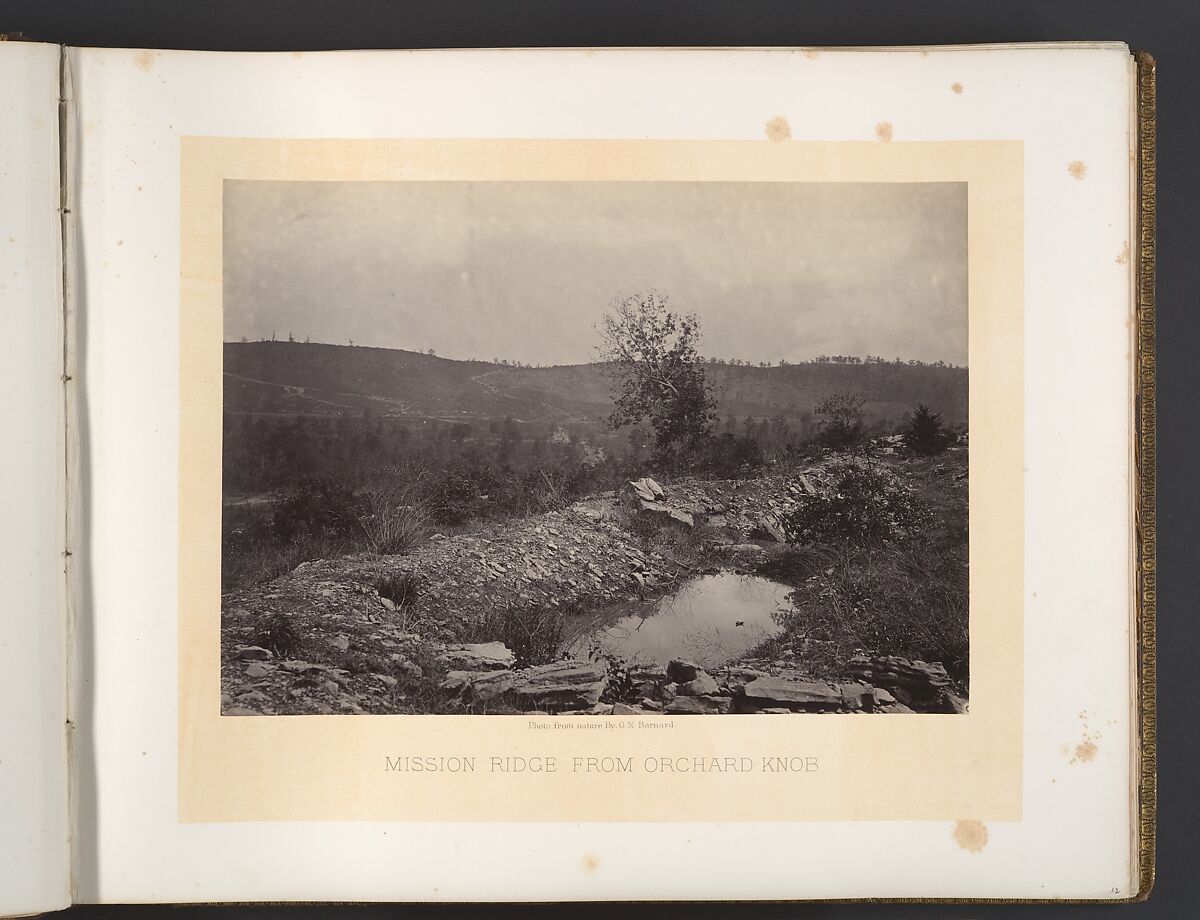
column 1167, row 30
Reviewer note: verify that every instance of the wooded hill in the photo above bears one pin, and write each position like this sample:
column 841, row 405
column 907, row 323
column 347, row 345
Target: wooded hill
column 292, row 378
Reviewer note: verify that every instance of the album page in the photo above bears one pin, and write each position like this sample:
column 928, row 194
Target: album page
column 616, row 474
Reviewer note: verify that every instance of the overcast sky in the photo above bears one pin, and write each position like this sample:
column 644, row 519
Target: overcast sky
column 524, row 270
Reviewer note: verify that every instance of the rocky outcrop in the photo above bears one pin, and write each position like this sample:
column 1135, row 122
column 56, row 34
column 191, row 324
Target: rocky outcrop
column 916, row 684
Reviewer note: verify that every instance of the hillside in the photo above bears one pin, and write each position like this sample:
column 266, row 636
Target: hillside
column 314, row 379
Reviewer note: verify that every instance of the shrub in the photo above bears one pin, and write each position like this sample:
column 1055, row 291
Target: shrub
column 925, row 432
column 726, row 456
column 841, row 420
column 868, row 504
column 401, row 589
column 280, row 637
column 318, row 507
column 393, row 519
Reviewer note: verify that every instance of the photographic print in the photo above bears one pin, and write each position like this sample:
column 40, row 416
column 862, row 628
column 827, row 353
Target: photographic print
column 659, row 447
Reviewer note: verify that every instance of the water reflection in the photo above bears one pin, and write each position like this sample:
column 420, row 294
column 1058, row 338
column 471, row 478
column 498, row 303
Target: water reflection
column 710, row 619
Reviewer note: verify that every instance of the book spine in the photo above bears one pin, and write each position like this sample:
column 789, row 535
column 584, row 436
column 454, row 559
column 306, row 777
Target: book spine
column 1144, row 457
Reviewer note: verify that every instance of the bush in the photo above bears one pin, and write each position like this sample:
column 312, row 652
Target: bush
column 726, row 456
column 841, row 421
column 320, row 507
column 925, row 433
column 868, row 504
column 393, row 519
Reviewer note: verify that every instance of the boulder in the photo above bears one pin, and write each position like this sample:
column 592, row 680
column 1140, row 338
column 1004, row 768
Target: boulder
column 479, row 656
column 858, row 697
column 699, row 705
column 797, row 695
column 646, row 489
column 701, row 685
column 624, row 709
column 658, row 508
column 806, row 484
column 257, row 669
column 681, row 671
column 560, row 685
column 768, row 527
column 251, row 653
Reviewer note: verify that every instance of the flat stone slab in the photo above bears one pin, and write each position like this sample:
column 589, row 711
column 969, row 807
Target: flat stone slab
column 797, row 695
column 479, row 656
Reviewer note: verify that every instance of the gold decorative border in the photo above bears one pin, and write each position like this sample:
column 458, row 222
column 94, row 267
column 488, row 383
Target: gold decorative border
column 1144, row 458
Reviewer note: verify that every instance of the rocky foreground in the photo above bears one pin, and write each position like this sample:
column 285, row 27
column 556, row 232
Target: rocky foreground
column 393, row 634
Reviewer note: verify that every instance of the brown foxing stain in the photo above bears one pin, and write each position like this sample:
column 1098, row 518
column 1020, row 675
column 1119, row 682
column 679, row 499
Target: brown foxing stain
column 811, row 54
column 956, row 88
column 144, row 61
column 971, row 835
column 120, row 242
column 1077, row 169
column 297, row 54
column 883, row 131
column 591, row 863
column 1087, row 749
column 778, row 129
column 1123, row 258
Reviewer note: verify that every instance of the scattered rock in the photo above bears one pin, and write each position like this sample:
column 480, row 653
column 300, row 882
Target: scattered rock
column 408, row 670
column 624, row 709
column 681, row 671
column 241, row 711
column 251, row 653
column 701, row 685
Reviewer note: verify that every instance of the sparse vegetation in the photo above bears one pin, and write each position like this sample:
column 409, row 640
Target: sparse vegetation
column 841, row 420
column 881, row 568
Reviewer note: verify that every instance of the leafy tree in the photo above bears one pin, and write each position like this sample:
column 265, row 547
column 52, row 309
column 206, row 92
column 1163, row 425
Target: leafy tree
column 657, row 373
column 841, row 420
column 925, row 432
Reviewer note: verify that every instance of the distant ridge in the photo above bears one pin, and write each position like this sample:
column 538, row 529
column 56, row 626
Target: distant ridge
column 320, row 379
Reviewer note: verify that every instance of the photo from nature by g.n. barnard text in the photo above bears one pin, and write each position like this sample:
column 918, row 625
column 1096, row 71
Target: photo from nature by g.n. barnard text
column 660, row 448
